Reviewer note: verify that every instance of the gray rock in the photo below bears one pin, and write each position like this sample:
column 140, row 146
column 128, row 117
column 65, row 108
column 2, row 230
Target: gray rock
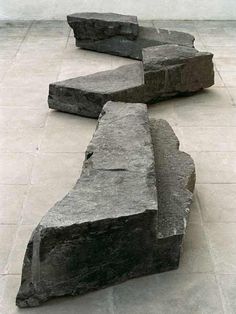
column 97, row 26
column 186, row 69
column 147, row 37
column 166, row 71
column 87, row 95
column 175, row 177
column 91, row 238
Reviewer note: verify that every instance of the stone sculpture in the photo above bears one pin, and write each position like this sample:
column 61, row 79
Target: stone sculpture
column 170, row 65
column 125, row 217
column 120, row 35
column 127, row 214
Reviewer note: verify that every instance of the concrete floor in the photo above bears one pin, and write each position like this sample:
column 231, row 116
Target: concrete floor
column 41, row 154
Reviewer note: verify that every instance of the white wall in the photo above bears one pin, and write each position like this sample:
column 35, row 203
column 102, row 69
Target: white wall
column 144, row 9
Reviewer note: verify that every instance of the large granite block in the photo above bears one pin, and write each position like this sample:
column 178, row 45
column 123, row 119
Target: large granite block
column 186, row 69
column 175, row 178
column 147, row 37
column 111, row 227
column 166, row 71
column 97, row 26
column 86, row 95
column 92, row 237
column 120, row 34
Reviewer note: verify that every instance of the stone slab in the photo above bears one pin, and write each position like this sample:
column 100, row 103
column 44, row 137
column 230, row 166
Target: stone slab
column 166, row 71
column 87, row 95
column 175, row 177
column 97, row 26
column 147, row 37
column 91, row 238
column 186, row 69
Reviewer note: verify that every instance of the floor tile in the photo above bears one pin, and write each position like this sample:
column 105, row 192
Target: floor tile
column 66, row 139
column 11, row 203
column 195, row 215
column 35, row 98
column 218, row 202
column 215, row 167
column 7, row 236
column 228, row 287
column 211, row 139
column 222, row 40
column 218, row 80
column 99, row 302
column 2, row 286
column 22, row 118
column 226, row 64
column 16, row 256
column 40, row 199
column 163, row 110
column 196, row 256
column 58, row 119
column 24, row 79
column 15, row 168
column 223, row 52
column 232, row 92
column 222, row 240
column 20, row 140
column 169, row 293
column 212, row 107
column 50, row 168
column 229, row 78
column 72, row 68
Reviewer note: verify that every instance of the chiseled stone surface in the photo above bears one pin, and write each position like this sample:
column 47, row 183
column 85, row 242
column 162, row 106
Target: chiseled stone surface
column 166, row 71
column 86, row 95
column 97, row 26
column 186, row 69
column 175, row 178
column 147, row 37
column 91, row 238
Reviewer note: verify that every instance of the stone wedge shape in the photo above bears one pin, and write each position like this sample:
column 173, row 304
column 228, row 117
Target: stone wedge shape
column 97, row 26
column 86, row 95
column 166, row 71
column 121, row 35
column 147, row 37
column 125, row 217
column 175, row 179
column 187, row 70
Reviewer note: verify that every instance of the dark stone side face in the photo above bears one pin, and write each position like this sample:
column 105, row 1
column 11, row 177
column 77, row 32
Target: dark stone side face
column 103, row 231
column 97, row 26
column 147, row 37
column 166, row 71
column 110, row 227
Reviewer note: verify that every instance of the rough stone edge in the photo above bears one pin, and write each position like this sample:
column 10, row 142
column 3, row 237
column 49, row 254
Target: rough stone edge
column 170, row 242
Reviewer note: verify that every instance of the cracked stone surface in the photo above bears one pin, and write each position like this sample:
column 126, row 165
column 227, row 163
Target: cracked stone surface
column 132, row 175
column 86, row 95
column 97, row 26
column 175, row 178
column 186, row 69
column 166, row 71
column 147, row 37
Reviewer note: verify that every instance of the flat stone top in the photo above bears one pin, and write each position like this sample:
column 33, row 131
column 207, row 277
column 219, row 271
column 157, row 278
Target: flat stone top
column 108, row 17
column 118, row 176
column 106, row 82
column 169, row 55
column 175, row 37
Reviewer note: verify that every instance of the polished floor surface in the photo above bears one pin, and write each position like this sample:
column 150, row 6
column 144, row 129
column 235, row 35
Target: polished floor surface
column 41, row 154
